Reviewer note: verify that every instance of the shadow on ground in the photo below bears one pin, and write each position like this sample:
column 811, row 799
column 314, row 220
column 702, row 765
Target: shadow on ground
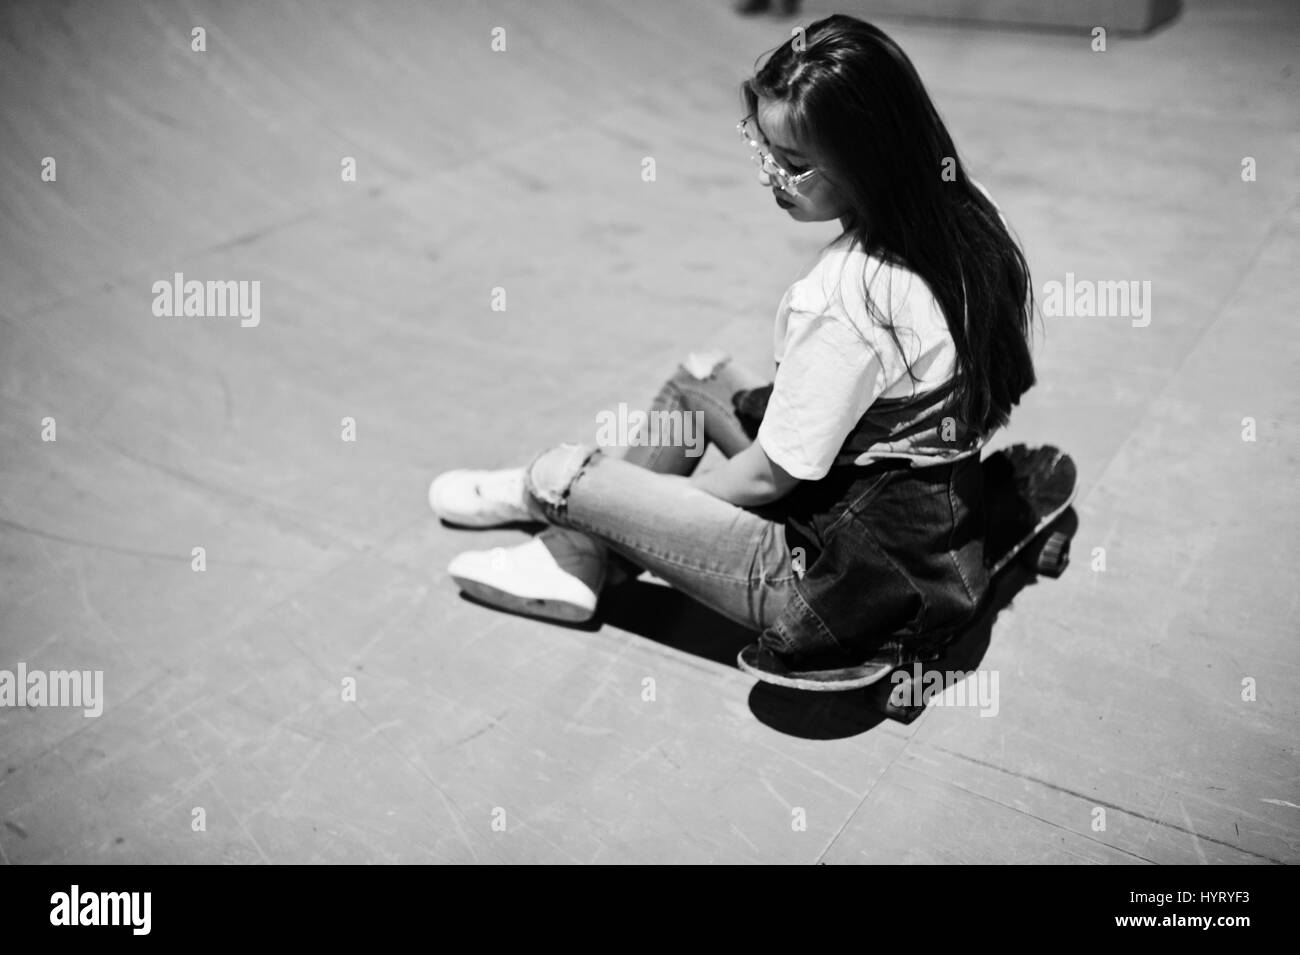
column 672, row 619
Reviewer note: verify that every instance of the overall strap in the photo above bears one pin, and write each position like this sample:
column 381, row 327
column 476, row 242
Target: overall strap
column 922, row 427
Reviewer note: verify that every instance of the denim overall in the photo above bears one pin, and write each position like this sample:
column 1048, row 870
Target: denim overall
column 893, row 550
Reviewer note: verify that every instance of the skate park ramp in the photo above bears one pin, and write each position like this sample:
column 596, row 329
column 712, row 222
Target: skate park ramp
column 288, row 673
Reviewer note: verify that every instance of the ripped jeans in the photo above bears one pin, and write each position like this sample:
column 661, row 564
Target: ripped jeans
column 640, row 509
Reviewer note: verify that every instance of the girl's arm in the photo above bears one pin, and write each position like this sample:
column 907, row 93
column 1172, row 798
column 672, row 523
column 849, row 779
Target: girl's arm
column 747, row 479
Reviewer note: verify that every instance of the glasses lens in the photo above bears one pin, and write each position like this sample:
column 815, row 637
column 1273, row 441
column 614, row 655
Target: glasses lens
column 776, row 172
column 764, row 160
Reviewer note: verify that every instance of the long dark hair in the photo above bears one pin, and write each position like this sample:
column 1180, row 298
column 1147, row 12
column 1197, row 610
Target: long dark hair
column 854, row 96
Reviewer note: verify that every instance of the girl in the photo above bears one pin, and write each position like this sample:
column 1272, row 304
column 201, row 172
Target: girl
column 847, row 522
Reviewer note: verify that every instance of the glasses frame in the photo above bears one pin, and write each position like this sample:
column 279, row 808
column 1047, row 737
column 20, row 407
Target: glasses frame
column 789, row 182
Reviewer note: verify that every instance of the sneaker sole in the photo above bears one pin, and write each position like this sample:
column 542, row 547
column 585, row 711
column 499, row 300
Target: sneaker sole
column 529, row 606
column 482, row 525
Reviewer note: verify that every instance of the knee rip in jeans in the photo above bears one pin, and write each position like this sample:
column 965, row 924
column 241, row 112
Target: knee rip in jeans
column 703, row 365
column 551, row 475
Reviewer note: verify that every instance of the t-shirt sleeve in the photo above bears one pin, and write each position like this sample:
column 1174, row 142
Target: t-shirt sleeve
column 827, row 379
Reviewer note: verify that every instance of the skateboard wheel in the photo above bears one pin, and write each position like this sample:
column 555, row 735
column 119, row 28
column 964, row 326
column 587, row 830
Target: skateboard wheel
column 904, row 714
column 899, row 700
column 1055, row 555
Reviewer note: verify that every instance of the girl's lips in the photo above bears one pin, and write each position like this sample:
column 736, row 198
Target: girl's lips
column 781, row 202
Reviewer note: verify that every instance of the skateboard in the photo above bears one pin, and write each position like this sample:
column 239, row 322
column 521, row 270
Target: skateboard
column 1027, row 492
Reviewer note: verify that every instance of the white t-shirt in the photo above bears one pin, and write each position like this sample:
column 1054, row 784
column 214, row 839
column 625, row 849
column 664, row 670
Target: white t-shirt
column 834, row 360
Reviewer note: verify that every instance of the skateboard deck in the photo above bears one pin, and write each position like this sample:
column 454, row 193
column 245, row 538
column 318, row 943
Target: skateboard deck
column 1027, row 491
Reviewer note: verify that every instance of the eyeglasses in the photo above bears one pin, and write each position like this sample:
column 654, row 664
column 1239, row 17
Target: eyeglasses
column 789, row 182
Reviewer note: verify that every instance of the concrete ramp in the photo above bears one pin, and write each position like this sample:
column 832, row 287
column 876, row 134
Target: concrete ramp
column 283, row 658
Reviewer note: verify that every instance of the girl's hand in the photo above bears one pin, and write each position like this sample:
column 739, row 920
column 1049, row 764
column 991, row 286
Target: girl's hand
column 750, row 407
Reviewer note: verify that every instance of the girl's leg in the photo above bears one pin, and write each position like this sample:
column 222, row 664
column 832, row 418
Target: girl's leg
column 695, row 403
column 728, row 558
column 696, row 400
column 640, row 514
column 693, row 409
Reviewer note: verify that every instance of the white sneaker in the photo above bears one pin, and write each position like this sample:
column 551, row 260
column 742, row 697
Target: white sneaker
column 480, row 498
column 557, row 576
